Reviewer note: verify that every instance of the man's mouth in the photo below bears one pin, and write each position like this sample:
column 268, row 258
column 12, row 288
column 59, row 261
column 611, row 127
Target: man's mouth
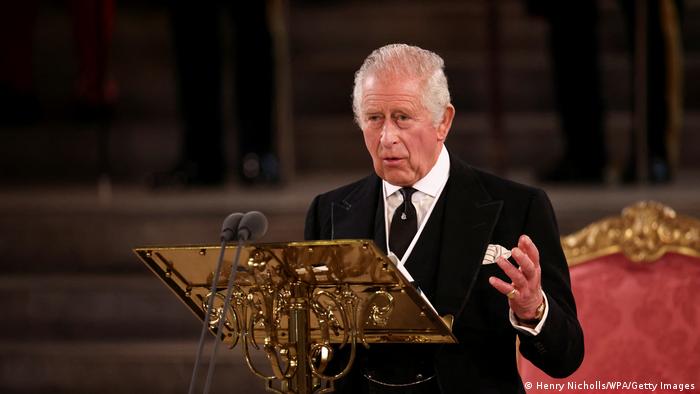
column 391, row 160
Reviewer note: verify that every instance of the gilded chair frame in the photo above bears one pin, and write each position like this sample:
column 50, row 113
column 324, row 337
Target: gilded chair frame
column 644, row 232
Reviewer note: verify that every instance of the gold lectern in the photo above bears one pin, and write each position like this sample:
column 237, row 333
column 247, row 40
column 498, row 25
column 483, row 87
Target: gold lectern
column 296, row 300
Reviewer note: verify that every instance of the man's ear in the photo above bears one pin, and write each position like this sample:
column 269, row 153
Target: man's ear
column 443, row 127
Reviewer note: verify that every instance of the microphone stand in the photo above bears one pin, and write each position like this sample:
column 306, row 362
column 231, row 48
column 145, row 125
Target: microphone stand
column 207, row 316
column 229, row 228
column 227, row 302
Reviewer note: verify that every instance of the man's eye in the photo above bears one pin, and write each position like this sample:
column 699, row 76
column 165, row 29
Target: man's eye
column 373, row 118
column 402, row 117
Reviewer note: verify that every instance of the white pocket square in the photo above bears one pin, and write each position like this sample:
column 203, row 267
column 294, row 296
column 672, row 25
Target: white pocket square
column 493, row 252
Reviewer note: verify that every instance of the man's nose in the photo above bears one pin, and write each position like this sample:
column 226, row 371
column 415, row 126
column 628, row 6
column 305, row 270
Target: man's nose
column 390, row 134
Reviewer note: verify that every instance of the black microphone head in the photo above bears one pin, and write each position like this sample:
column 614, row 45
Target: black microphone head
column 230, row 227
column 252, row 227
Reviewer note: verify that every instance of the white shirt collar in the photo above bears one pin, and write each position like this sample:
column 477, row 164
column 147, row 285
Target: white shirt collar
column 432, row 183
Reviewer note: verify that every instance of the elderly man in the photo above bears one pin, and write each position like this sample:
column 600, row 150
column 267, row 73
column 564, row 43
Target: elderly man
column 445, row 221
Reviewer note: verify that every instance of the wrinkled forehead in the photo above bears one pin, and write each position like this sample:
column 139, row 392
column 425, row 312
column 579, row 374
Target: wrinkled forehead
column 391, row 92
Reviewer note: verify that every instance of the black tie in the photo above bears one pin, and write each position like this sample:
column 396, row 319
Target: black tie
column 404, row 224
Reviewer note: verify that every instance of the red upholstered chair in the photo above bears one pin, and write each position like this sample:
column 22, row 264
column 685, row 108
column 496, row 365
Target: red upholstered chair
column 636, row 279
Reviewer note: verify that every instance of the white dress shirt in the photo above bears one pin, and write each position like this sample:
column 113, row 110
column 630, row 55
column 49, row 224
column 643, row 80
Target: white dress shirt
column 428, row 189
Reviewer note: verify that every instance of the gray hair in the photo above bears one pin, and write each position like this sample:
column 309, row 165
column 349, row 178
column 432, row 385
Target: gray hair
column 411, row 62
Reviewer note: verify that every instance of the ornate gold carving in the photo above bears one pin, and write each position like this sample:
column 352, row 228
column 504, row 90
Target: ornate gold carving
column 643, row 233
column 378, row 308
column 415, row 339
column 232, row 323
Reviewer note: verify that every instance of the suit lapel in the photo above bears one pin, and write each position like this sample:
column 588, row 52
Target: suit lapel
column 380, row 224
column 360, row 214
column 470, row 217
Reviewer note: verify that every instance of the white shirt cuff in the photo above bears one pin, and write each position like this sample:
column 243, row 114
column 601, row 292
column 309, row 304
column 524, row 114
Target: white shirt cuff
column 538, row 328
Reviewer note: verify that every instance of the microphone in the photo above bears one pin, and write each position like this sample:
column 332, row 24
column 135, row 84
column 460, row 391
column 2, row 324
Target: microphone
column 253, row 225
column 230, row 227
column 249, row 227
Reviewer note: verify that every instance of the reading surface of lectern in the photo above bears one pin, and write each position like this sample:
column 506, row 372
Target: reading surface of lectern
column 299, row 301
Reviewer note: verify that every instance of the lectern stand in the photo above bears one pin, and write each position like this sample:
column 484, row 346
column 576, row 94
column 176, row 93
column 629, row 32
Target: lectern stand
column 299, row 301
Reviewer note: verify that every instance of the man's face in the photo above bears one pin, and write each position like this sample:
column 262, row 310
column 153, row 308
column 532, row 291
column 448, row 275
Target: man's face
column 399, row 131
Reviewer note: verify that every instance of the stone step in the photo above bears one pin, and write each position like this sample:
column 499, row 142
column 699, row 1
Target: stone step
column 107, row 367
column 111, row 307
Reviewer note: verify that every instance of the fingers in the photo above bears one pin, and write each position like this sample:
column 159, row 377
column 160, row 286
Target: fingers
column 526, row 245
column 516, row 276
column 502, row 287
column 527, row 256
column 527, row 267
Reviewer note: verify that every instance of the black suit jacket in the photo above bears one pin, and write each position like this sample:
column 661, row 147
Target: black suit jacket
column 480, row 209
